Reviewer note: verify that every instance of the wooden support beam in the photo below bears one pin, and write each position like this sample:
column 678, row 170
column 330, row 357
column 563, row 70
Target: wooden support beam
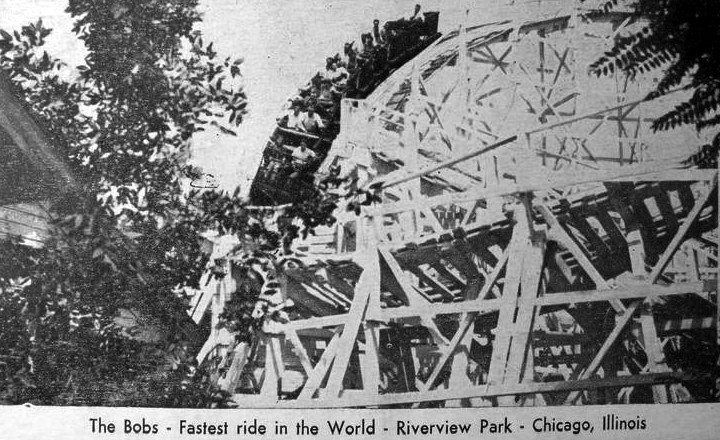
column 466, row 320
column 519, row 244
column 450, row 163
column 622, row 321
column 438, row 287
column 232, row 376
column 398, row 281
column 201, row 300
column 610, row 227
column 441, row 269
column 274, row 369
column 349, row 398
column 666, row 209
column 653, row 349
column 524, row 321
column 636, row 173
column 369, row 362
column 409, row 295
column 680, row 235
column 687, row 324
column 581, row 223
column 652, row 278
column 316, row 322
column 318, row 373
column 639, row 290
column 299, row 349
column 368, row 284
column 560, row 234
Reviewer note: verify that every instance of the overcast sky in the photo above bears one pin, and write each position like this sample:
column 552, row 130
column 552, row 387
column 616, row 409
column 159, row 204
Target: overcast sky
column 283, row 42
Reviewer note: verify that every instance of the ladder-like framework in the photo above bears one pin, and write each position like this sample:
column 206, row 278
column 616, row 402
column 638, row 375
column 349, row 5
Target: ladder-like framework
column 536, row 244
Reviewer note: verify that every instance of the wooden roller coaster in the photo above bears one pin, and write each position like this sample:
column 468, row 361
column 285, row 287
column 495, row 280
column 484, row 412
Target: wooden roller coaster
column 536, row 244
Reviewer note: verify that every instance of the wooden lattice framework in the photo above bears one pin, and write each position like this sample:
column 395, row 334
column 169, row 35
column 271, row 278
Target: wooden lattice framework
column 537, row 244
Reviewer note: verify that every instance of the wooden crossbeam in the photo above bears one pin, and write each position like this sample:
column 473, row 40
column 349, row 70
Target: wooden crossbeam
column 561, row 179
column 639, row 290
column 351, row 398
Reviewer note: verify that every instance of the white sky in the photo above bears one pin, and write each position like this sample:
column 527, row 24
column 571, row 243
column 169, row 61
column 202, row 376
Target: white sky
column 283, row 43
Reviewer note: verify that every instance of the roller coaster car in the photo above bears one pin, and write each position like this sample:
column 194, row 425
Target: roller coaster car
column 406, row 38
column 277, row 181
column 282, row 178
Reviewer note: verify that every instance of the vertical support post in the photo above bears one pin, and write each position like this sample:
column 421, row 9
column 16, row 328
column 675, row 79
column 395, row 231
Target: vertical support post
column 271, row 382
column 500, row 363
column 654, row 351
column 369, row 362
column 368, row 285
column 232, row 375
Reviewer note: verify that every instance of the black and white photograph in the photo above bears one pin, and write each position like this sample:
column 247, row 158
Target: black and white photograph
column 386, row 205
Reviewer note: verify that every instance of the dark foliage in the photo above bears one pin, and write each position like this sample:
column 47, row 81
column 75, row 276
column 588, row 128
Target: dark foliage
column 683, row 39
column 129, row 242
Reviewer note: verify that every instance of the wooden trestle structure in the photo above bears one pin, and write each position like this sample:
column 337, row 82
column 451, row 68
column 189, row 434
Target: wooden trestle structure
column 536, row 244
